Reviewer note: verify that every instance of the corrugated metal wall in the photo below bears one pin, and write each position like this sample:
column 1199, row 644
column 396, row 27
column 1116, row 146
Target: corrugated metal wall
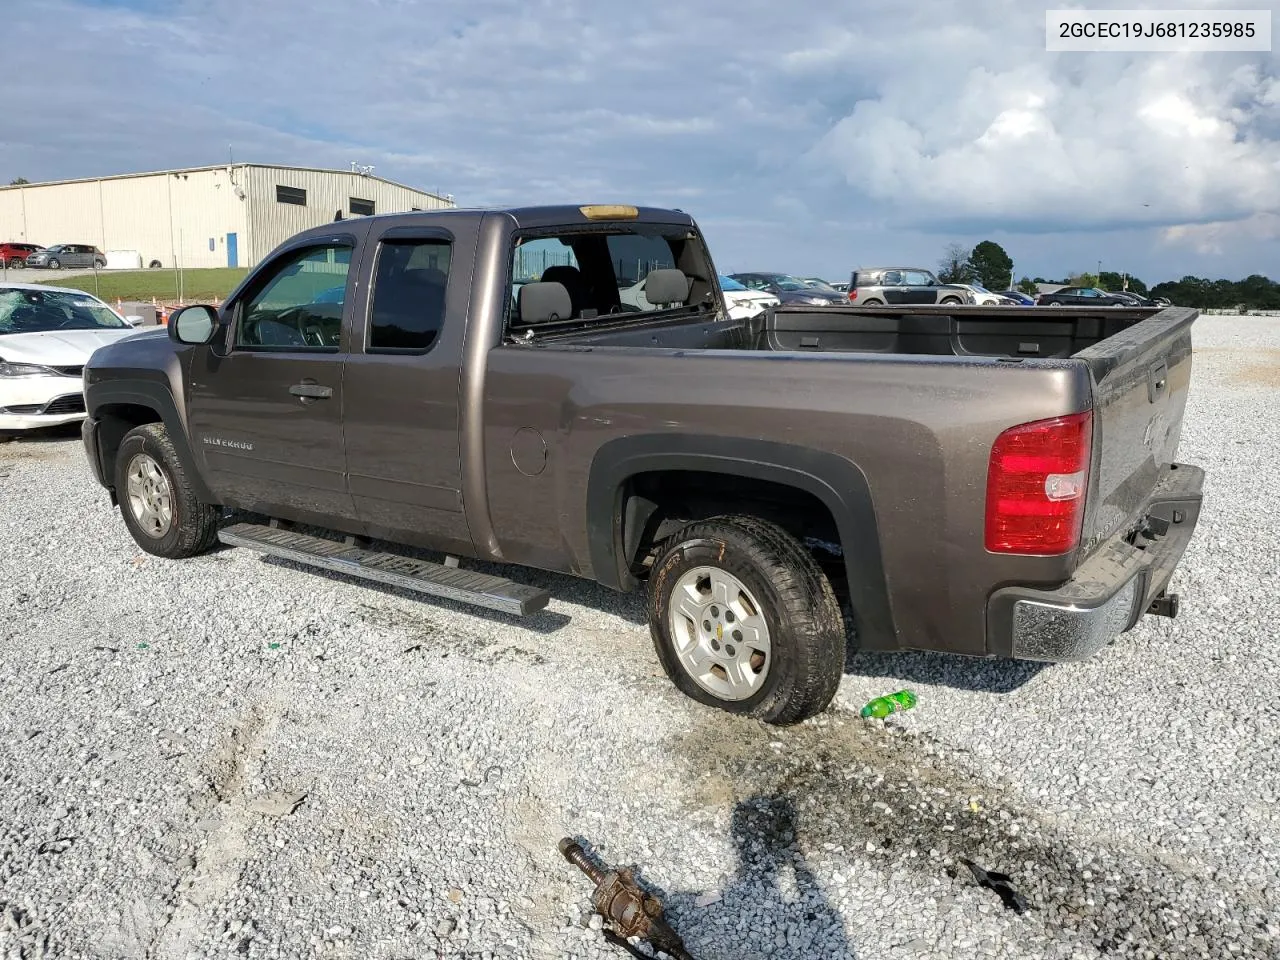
column 272, row 222
column 189, row 215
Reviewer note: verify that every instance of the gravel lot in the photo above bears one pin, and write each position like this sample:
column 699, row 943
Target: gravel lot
column 233, row 757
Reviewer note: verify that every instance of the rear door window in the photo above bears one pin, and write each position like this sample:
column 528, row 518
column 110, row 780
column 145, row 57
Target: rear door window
column 409, row 283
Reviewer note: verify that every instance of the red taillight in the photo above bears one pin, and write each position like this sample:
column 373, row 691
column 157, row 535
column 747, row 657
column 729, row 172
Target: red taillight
column 1036, row 483
column 853, row 294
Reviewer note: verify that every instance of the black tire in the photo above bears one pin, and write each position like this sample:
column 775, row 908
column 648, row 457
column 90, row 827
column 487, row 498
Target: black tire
column 871, row 303
column 154, row 265
column 806, row 626
column 948, row 301
column 193, row 526
column 99, row 264
column 55, row 264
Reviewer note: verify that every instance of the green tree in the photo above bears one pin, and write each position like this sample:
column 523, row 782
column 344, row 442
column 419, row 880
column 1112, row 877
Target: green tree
column 1110, row 280
column 1028, row 286
column 954, row 265
column 1083, row 280
column 991, row 265
column 18, row 181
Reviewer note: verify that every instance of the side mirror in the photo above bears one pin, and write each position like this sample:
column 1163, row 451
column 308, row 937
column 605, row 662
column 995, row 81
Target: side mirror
column 193, row 325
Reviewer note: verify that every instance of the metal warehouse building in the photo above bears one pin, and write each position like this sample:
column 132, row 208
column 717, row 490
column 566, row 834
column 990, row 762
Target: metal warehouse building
column 225, row 216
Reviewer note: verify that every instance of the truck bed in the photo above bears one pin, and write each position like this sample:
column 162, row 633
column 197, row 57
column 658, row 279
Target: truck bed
column 914, row 397
column 940, row 331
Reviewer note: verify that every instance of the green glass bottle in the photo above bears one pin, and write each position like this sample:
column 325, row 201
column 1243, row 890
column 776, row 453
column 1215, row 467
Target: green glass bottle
column 883, row 706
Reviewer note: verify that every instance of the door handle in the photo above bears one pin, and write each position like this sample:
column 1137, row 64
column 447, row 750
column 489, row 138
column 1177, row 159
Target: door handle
column 311, row 391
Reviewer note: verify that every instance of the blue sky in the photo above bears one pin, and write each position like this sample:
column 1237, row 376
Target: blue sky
column 809, row 139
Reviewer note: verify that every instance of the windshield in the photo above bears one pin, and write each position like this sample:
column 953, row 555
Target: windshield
column 980, row 288
column 788, row 283
column 728, row 283
column 39, row 311
column 820, row 285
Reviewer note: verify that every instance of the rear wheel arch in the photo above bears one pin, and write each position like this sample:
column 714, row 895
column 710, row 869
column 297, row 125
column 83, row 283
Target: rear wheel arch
column 626, row 512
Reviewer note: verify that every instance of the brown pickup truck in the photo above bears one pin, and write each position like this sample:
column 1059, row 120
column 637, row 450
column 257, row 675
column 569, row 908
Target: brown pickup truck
column 997, row 482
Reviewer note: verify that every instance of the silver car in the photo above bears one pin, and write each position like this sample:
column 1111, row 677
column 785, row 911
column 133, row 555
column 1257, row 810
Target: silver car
column 898, row 286
column 67, row 255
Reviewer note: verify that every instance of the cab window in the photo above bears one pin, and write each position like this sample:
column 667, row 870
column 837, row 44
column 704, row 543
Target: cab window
column 408, row 295
column 299, row 307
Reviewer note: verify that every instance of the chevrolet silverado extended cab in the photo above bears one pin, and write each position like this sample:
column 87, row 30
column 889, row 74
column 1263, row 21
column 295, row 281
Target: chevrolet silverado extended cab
column 995, row 482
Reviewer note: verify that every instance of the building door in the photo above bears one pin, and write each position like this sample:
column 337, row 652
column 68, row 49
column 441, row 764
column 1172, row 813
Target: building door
column 233, row 252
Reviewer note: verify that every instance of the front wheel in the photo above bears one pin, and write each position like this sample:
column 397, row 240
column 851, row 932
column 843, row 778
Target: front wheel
column 156, row 499
column 950, row 301
column 55, row 265
column 100, row 264
column 742, row 618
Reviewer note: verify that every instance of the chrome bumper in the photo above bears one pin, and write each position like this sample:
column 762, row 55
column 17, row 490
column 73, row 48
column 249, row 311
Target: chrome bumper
column 1109, row 592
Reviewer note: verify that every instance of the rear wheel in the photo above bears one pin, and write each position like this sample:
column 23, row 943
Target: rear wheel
column 872, row 303
column 156, row 499
column 743, row 619
column 950, row 300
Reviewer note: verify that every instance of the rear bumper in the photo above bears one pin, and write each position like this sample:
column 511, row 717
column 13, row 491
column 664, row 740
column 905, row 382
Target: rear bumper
column 1109, row 592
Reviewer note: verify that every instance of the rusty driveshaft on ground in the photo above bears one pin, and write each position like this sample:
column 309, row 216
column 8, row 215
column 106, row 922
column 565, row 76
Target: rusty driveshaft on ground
column 619, row 899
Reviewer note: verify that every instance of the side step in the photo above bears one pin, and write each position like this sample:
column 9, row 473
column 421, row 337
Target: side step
column 435, row 579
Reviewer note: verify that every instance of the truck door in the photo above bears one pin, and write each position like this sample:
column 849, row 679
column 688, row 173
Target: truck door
column 401, row 398
column 266, row 407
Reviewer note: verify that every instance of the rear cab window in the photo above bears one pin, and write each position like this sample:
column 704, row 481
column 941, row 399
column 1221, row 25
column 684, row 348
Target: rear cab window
column 604, row 268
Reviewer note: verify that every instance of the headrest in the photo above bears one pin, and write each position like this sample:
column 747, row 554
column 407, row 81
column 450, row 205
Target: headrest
column 666, row 286
column 562, row 273
column 544, row 302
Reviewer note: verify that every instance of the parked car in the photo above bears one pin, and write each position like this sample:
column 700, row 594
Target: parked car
column 987, row 298
column 62, row 255
column 742, row 302
column 664, row 446
column 1018, row 297
column 819, row 284
column 46, row 335
column 1135, row 299
column 893, row 286
column 841, row 286
column 13, row 255
column 789, row 289
column 1083, row 297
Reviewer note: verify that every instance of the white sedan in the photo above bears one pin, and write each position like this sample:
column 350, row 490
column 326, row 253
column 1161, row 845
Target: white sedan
column 742, row 302
column 985, row 298
column 46, row 336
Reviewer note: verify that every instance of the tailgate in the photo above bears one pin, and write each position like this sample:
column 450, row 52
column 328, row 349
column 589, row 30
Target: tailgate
column 1140, row 380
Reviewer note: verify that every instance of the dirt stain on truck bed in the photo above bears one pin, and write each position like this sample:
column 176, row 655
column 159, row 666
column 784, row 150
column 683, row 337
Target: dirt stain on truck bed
column 854, row 783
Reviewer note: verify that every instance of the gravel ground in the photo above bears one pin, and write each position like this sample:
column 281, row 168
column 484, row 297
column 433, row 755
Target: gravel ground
column 234, row 757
